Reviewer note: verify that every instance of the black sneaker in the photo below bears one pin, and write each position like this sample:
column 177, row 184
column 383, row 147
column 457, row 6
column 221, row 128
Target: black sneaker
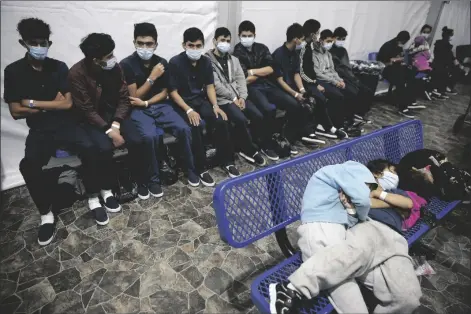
column 143, row 192
column 341, row 134
column 361, row 119
column 322, row 132
column 112, row 205
column 232, row 171
column 206, row 179
column 259, row 159
column 193, row 179
column 435, row 93
column 270, row 154
column 406, row 113
column 101, row 217
column 451, row 91
column 293, row 151
column 156, row 190
column 312, row 139
column 46, row 233
column 283, row 300
column 428, row 95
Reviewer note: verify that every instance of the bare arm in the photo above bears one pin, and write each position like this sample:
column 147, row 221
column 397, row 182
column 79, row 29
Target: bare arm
column 250, row 79
column 394, row 200
column 212, row 95
column 265, row 71
column 17, row 111
column 60, row 103
column 299, row 81
column 179, row 100
column 286, row 87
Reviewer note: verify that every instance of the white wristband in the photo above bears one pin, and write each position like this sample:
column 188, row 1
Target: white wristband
column 235, row 99
column 302, row 90
column 147, row 103
column 250, row 72
column 383, row 195
column 108, row 131
column 189, row 110
column 296, row 95
column 116, row 126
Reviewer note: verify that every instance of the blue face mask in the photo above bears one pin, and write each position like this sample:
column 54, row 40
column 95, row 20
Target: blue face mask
column 301, row 45
column 38, row 53
column 194, row 54
column 110, row 64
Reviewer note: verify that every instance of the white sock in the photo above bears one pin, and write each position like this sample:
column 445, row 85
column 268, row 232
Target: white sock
column 94, row 202
column 47, row 219
column 333, row 130
column 105, row 194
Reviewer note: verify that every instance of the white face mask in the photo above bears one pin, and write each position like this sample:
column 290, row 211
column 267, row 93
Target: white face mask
column 400, row 45
column 145, row 53
column 389, row 181
column 224, row 47
column 38, row 53
column 110, row 64
column 194, row 54
column 247, row 41
column 450, row 39
column 426, row 35
column 327, row 46
column 340, row 43
column 301, row 45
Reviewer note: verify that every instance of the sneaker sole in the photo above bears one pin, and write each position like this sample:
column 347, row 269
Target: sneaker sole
column 48, row 241
column 249, row 159
column 427, row 95
column 113, row 210
column 143, row 197
column 194, row 184
column 294, row 153
column 416, row 107
column 333, row 136
column 271, row 158
column 272, row 296
column 156, row 195
column 311, row 140
column 104, row 223
column 208, row 184
column 406, row 115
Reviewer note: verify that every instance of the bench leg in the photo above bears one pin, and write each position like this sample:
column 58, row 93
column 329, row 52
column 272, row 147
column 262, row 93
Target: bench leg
column 284, row 243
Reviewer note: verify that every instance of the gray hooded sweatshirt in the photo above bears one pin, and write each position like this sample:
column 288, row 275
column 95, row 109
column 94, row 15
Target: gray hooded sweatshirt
column 231, row 86
column 324, row 65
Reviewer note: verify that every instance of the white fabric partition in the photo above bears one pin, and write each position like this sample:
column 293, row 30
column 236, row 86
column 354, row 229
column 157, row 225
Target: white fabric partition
column 369, row 23
column 455, row 15
column 70, row 21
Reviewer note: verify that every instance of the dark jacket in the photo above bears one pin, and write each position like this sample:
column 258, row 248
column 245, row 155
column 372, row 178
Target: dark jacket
column 307, row 65
column 257, row 57
column 342, row 63
column 443, row 54
column 86, row 90
column 389, row 50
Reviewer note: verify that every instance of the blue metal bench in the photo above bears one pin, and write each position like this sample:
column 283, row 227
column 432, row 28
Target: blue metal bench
column 264, row 202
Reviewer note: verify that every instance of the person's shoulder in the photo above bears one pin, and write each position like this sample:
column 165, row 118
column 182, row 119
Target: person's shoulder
column 55, row 64
column 177, row 58
column 260, row 46
column 77, row 68
column 128, row 60
column 161, row 60
column 278, row 51
column 16, row 65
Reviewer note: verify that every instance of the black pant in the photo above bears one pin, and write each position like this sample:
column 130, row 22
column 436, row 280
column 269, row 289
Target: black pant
column 404, row 79
column 321, row 111
column 364, row 97
column 242, row 138
column 341, row 105
column 445, row 77
column 217, row 130
column 265, row 95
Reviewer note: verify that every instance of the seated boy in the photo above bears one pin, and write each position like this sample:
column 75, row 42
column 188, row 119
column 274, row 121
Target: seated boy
column 231, row 91
column 192, row 89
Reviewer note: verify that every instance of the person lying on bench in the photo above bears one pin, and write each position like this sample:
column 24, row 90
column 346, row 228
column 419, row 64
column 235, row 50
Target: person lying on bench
column 372, row 254
column 286, row 71
column 344, row 69
column 101, row 97
column 231, row 92
column 429, row 173
column 257, row 63
column 192, row 89
column 324, row 218
column 36, row 89
column 329, row 113
column 147, row 78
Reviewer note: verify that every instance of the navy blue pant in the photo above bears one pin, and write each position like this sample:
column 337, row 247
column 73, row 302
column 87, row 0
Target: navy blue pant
column 264, row 95
column 341, row 106
column 151, row 123
column 240, row 119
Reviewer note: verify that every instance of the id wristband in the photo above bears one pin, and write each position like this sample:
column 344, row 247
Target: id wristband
column 31, row 103
column 108, row 131
column 147, row 103
column 189, row 110
column 383, row 195
column 116, row 126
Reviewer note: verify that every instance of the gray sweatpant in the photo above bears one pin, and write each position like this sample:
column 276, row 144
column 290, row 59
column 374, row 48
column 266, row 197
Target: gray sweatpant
column 374, row 255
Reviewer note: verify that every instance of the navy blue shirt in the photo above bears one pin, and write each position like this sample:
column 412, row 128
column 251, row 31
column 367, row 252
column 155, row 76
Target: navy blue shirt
column 189, row 80
column 22, row 81
column 135, row 72
column 286, row 65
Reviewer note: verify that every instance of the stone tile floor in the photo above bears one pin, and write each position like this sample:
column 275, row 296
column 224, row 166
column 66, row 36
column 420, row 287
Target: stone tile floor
column 165, row 256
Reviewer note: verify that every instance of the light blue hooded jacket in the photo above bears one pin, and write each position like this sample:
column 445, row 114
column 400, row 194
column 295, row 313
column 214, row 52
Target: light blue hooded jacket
column 321, row 201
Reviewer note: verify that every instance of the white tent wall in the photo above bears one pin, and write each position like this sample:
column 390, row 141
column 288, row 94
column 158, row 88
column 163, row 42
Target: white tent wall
column 70, row 21
column 455, row 15
column 369, row 23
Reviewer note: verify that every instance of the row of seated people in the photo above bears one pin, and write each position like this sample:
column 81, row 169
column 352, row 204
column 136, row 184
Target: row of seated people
column 99, row 105
column 443, row 73
column 342, row 249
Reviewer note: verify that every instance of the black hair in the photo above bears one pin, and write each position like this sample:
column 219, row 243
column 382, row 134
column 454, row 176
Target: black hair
column 377, row 166
column 246, row 26
column 221, row 31
column 193, row 34
column 326, row 33
column 424, row 27
column 340, row 32
column 145, row 29
column 311, row 27
column 33, row 28
column 97, row 45
column 447, row 32
column 294, row 31
column 403, row 36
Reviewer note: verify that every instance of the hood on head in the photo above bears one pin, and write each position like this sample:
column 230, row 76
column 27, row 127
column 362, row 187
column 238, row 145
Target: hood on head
column 419, row 40
column 359, row 171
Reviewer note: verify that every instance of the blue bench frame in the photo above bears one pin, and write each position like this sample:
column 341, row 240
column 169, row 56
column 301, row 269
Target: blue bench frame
column 264, row 202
